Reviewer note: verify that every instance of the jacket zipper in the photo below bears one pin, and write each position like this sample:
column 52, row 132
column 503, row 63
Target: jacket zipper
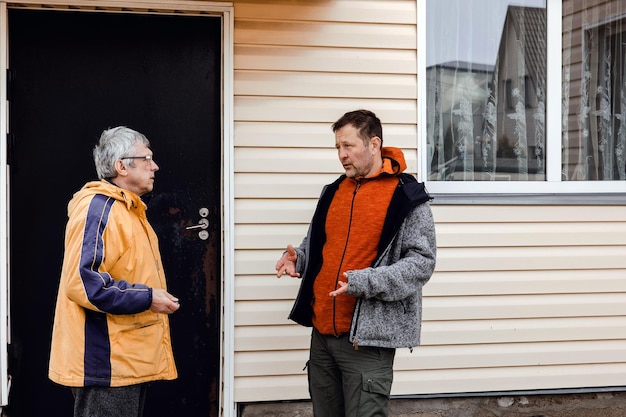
column 355, row 342
column 345, row 248
column 357, row 312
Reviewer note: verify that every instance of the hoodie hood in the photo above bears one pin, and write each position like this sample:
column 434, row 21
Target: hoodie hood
column 393, row 161
column 104, row 187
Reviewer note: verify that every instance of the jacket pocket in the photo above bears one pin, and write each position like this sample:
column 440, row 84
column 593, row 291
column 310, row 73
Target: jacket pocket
column 380, row 322
column 134, row 321
column 137, row 346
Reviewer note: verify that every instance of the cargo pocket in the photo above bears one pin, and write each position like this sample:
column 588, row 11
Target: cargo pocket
column 377, row 383
column 376, row 388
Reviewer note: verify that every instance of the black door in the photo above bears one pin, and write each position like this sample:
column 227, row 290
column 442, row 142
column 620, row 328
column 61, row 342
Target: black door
column 73, row 75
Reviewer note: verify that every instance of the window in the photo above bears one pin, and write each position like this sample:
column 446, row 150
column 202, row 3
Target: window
column 501, row 112
column 594, row 90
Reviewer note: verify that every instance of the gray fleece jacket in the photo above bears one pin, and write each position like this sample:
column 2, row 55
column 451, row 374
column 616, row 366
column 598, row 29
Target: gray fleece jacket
column 388, row 310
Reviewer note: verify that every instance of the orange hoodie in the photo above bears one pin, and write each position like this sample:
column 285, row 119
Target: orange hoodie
column 353, row 228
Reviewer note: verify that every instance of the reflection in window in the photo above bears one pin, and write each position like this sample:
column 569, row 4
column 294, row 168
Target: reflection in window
column 486, row 83
column 594, row 90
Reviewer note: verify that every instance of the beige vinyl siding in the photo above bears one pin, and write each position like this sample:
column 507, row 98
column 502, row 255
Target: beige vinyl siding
column 527, row 297
column 299, row 65
column 523, row 297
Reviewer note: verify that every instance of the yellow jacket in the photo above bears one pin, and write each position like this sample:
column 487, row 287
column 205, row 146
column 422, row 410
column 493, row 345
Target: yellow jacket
column 104, row 333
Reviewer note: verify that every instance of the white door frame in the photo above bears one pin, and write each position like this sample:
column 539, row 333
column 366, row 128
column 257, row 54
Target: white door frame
column 186, row 7
column 4, row 209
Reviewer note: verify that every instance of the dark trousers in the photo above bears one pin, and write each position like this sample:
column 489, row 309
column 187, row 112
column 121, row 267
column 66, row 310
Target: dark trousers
column 344, row 382
column 109, row 401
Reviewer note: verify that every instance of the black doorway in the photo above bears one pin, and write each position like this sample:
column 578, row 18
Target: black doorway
column 74, row 74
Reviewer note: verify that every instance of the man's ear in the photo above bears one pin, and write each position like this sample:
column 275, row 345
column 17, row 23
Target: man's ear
column 120, row 168
column 376, row 142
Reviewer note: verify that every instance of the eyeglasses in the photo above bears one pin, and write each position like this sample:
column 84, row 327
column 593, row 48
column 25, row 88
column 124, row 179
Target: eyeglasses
column 147, row 158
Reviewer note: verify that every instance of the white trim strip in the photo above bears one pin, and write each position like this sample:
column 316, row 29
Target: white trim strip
column 4, row 224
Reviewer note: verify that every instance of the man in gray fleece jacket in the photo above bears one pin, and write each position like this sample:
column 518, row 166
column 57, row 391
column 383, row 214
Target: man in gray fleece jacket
column 369, row 250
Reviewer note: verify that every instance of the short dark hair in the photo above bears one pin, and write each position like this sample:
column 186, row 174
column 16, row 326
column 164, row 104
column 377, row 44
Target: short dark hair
column 365, row 121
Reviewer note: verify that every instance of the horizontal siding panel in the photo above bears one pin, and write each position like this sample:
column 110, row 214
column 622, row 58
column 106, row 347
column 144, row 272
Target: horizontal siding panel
column 312, row 135
column 564, row 281
column 260, row 236
column 300, row 84
column 443, row 334
column 530, row 258
column 451, row 357
column 389, row 11
column 284, row 135
column 337, row 60
column 257, row 262
column 530, row 234
column 288, row 362
column 279, row 207
column 271, row 388
column 287, row 337
column 562, row 329
column 268, row 287
column 327, row 34
column 508, row 379
column 320, row 110
column 466, row 308
column 281, row 186
column 527, row 213
column 249, row 313
column 277, row 160
column 286, row 212
column 293, row 387
column 268, row 237
column 310, row 161
column 528, row 306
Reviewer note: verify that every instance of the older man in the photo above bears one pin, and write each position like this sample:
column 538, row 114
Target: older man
column 111, row 328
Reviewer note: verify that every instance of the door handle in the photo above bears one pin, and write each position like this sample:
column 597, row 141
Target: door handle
column 202, row 224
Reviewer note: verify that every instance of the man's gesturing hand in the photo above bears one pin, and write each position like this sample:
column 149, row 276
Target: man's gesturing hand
column 287, row 263
column 343, row 287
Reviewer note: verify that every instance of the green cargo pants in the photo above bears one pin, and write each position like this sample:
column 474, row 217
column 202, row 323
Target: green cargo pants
column 344, row 382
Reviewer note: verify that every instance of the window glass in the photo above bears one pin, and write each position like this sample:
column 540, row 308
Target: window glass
column 486, row 90
column 594, row 90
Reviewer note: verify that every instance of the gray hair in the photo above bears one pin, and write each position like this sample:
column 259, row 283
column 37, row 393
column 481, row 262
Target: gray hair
column 114, row 144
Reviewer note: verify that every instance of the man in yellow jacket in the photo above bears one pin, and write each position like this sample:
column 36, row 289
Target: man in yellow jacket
column 111, row 329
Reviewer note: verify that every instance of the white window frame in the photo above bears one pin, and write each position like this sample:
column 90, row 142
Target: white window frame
column 553, row 183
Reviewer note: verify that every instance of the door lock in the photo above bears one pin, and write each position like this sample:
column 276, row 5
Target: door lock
column 203, row 224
